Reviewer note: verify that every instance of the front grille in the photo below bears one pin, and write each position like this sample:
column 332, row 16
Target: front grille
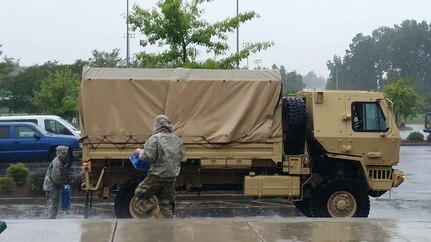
column 380, row 173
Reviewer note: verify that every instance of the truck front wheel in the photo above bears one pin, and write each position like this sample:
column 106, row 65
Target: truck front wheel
column 124, row 198
column 340, row 197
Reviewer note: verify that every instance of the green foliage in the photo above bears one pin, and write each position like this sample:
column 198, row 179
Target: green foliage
column 385, row 56
column 177, row 27
column 18, row 172
column 21, row 87
column 35, row 182
column 6, row 184
column 404, row 98
column 8, row 68
column 58, row 93
column 312, row 81
column 415, row 136
column 106, row 59
column 293, row 82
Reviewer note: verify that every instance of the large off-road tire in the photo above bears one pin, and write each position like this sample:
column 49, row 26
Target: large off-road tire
column 340, row 197
column 294, row 125
column 304, row 207
column 124, row 196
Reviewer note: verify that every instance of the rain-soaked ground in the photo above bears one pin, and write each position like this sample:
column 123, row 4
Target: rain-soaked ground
column 402, row 215
column 411, row 200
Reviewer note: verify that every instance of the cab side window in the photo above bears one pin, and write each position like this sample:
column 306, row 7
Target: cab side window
column 23, row 132
column 4, row 132
column 368, row 117
column 55, row 127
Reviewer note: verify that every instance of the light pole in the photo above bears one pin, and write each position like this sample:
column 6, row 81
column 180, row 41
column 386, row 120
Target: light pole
column 127, row 37
column 244, row 45
column 237, row 35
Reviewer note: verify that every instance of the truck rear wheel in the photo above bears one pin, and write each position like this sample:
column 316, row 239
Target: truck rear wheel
column 340, row 197
column 294, row 124
column 124, row 197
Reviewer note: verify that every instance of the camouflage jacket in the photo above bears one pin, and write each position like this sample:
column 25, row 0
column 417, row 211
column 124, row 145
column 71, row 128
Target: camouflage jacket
column 55, row 175
column 164, row 150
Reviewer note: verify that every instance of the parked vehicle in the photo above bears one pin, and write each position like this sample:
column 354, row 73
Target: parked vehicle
column 327, row 151
column 28, row 142
column 427, row 127
column 51, row 123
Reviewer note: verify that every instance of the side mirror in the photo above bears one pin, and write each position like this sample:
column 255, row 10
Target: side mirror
column 36, row 135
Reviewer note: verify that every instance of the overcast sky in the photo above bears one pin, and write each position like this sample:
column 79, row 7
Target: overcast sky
column 306, row 33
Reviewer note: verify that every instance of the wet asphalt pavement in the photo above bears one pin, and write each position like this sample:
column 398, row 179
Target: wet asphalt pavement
column 411, row 200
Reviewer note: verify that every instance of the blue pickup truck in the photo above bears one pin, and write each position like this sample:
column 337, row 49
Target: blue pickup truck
column 28, row 142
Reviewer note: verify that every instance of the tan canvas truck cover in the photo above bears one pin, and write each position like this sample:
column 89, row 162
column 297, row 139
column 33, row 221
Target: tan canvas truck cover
column 118, row 106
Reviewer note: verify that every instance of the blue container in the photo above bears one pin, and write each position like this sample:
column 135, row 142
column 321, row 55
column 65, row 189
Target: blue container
column 65, row 197
column 138, row 163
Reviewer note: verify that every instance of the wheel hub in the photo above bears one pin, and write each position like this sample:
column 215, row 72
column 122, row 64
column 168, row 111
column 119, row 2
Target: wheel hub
column 342, row 204
column 142, row 208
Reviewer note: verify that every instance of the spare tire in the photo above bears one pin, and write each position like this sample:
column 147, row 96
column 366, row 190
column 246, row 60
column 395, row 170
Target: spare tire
column 294, row 125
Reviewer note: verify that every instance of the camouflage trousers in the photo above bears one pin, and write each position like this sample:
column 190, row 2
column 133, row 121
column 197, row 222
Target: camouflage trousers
column 53, row 202
column 162, row 188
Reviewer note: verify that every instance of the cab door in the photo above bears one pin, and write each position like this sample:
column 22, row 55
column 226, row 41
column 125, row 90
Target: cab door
column 26, row 147
column 6, row 154
column 369, row 131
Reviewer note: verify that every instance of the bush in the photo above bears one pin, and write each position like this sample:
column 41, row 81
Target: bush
column 6, row 184
column 18, row 172
column 35, row 182
column 416, row 136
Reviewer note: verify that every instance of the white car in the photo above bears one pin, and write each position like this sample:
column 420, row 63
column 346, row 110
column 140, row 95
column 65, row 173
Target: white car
column 51, row 123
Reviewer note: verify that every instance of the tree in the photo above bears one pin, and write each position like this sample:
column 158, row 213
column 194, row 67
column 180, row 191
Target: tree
column 385, row 56
column 177, row 27
column 312, row 81
column 404, row 98
column 336, row 75
column 21, row 87
column 8, row 68
column 293, row 83
column 106, row 59
column 58, row 93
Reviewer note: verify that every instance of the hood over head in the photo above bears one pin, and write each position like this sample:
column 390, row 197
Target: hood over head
column 162, row 122
column 62, row 152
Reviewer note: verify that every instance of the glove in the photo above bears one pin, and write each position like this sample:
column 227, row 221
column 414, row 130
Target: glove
column 137, row 152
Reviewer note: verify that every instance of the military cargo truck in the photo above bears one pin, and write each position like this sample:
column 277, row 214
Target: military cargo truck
column 327, row 151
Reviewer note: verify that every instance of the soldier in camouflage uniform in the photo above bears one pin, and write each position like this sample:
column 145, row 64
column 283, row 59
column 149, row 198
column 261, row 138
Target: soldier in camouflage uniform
column 164, row 151
column 54, row 180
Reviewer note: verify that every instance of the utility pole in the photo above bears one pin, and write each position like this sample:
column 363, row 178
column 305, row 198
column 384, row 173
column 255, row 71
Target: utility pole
column 237, row 35
column 127, row 38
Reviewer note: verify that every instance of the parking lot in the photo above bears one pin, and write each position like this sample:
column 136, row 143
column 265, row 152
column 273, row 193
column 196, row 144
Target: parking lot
column 411, row 200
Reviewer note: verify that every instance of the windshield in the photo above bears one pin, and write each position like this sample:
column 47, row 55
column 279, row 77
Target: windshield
column 72, row 127
column 42, row 130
